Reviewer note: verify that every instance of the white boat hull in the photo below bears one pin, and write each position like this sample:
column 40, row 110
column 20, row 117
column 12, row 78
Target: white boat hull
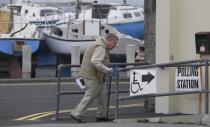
column 63, row 46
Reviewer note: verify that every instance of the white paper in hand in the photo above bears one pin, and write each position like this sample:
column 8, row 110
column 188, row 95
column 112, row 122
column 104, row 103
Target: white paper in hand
column 80, row 82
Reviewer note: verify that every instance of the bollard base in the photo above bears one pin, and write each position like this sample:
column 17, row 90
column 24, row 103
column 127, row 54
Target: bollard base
column 26, row 75
column 205, row 119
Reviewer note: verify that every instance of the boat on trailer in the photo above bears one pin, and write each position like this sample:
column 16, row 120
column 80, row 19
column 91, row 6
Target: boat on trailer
column 62, row 38
column 14, row 35
column 42, row 16
column 125, row 18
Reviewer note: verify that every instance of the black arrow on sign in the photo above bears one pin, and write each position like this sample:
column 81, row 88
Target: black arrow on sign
column 147, row 78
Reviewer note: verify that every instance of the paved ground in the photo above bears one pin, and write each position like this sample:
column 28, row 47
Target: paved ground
column 119, row 123
column 172, row 121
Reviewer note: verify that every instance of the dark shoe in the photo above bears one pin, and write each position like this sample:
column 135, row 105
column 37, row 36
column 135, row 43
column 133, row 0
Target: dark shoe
column 79, row 119
column 103, row 119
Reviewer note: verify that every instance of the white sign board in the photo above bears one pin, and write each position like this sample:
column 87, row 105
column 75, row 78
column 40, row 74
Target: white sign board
column 187, row 78
column 142, row 82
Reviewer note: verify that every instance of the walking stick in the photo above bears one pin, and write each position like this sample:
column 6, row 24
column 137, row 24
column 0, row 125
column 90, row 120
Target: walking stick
column 109, row 92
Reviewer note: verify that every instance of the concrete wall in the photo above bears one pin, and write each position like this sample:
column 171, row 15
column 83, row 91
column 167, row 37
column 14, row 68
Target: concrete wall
column 177, row 21
column 163, row 28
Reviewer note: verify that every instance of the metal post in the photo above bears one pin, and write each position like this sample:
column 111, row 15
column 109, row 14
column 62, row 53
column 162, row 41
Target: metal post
column 58, row 94
column 125, row 2
column 11, row 15
column 109, row 92
column 206, row 87
column 117, row 95
column 77, row 8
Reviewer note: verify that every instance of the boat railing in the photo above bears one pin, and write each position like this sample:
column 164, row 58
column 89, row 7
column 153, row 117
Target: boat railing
column 46, row 22
column 18, row 29
column 9, row 22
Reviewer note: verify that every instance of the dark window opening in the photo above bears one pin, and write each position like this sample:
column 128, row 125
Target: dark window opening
column 127, row 15
column 26, row 12
column 137, row 14
column 57, row 31
column 101, row 12
column 47, row 12
column 17, row 10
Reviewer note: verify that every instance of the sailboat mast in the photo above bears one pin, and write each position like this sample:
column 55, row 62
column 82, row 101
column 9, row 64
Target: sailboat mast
column 77, row 8
column 11, row 14
column 124, row 2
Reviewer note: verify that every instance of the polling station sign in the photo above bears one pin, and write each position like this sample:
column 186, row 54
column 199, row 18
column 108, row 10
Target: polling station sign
column 142, row 82
column 187, row 79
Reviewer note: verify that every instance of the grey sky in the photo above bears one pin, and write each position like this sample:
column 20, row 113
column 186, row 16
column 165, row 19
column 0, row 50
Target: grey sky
column 132, row 2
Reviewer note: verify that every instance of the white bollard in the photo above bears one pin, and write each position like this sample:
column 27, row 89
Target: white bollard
column 130, row 55
column 75, row 60
column 26, row 61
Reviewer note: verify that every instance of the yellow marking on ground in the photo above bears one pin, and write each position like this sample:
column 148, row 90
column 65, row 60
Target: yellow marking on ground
column 30, row 116
column 40, row 116
column 44, row 114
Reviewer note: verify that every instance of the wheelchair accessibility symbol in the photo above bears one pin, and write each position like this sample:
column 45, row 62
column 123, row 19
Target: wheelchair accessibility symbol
column 134, row 83
column 140, row 82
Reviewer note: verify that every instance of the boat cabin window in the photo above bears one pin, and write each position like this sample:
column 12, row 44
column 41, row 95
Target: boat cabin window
column 57, row 31
column 16, row 10
column 26, row 11
column 101, row 12
column 127, row 15
column 137, row 14
column 47, row 12
column 59, row 12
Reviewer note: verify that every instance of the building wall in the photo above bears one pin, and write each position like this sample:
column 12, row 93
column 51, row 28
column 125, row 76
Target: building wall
column 162, row 39
column 177, row 21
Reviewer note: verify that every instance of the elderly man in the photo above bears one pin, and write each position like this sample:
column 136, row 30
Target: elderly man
column 93, row 69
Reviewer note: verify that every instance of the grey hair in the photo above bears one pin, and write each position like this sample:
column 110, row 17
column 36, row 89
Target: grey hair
column 111, row 36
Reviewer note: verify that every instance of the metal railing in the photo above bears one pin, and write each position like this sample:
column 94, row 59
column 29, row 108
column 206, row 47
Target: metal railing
column 190, row 63
column 59, row 77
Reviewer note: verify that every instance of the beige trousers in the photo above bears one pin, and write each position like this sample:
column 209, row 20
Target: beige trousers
column 94, row 91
